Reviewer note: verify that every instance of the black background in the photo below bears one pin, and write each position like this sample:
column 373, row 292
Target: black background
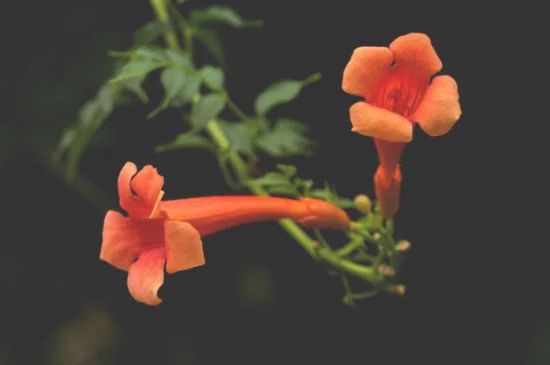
column 474, row 202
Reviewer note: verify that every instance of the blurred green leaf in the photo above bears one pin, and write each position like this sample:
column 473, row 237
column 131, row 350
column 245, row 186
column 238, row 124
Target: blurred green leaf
column 172, row 80
column 149, row 32
column 289, row 190
column 106, row 98
column 277, row 93
column 256, row 126
column 220, row 14
column 272, row 179
column 211, row 42
column 286, row 139
column 305, row 185
column 208, row 108
column 179, row 58
column 237, row 133
column 213, row 77
column 136, row 68
column 188, row 90
column 331, row 196
column 149, row 52
column 288, row 170
column 186, row 140
column 281, row 92
column 134, row 85
column 90, row 118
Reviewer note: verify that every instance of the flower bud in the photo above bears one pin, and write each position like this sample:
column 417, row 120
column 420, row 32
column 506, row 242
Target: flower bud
column 386, row 271
column 399, row 289
column 402, row 246
column 363, row 203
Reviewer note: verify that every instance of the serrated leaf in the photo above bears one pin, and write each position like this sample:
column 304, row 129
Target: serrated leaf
column 208, row 108
column 188, row 90
column 172, row 80
column 272, row 179
column 212, row 43
column 135, row 68
column 283, row 190
column 286, row 139
column 218, row 14
column 149, row 32
column 288, row 170
column 186, row 140
column 238, row 135
column 213, row 77
column 277, row 93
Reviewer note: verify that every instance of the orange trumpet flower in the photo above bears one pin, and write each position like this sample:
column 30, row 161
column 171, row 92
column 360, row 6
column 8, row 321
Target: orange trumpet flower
column 158, row 233
column 395, row 83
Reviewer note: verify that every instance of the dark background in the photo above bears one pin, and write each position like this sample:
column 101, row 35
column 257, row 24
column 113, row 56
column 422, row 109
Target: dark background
column 474, row 202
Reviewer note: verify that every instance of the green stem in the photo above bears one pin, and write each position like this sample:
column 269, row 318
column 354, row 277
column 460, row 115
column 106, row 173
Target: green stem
column 241, row 169
column 161, row 11
column 236, row 110
column 363, row 272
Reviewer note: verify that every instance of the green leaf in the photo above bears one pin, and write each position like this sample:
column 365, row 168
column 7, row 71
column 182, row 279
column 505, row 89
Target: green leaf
column 237, row 133
column 213, row 77
column 288, row 170
column 272, row 179
column 275, row 94
column 106, row 98
column 134, row 85
column 90, row 117
column 149, row 32
column 306, row 185
column 188, row 90
column 212, row 43
column 319, row 193
column 256, row 127
column 208, row 108
column 283, row 190
column 328, row 195
column 135, row 68
column 220, row 14
column 152, row 53
column 286, row 139
column 88, row 114
column 179, row 58
column 172, row 80
column 186, row 140
column 343, row 203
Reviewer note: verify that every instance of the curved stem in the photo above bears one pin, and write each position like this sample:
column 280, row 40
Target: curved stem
column 161, row 11
column 241, row 169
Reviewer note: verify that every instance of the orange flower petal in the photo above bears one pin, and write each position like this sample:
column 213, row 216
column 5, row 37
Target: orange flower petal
column 183, row 246
column 372, row 121
column 146, row 275
column 387, row 187
column 439, row 109
column 124, row 239
column 415, row 49
column 140, row 195
column 366, row 68
column 322, row 214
